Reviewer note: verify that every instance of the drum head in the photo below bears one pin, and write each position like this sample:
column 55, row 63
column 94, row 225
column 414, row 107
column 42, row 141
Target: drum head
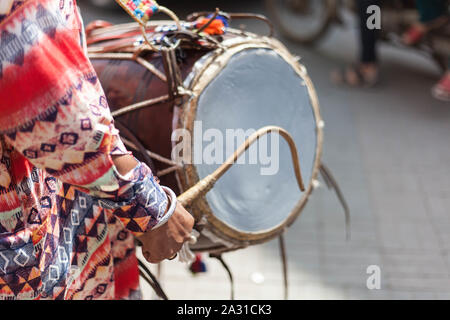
column 257, row 87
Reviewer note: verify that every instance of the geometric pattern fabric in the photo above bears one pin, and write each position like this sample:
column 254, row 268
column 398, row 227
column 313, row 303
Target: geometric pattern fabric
column 67, row 217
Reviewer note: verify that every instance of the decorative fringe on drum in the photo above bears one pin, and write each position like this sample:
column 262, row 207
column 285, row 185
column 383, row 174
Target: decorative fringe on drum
column 141, row 10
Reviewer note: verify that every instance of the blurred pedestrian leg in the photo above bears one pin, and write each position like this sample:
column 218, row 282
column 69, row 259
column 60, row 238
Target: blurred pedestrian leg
column 433, row 15
column 430, row 10
column 441, row 90
column 365, row 72
column 368, row 36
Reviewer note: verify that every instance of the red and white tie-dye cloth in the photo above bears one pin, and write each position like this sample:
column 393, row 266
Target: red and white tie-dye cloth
column 67, row 217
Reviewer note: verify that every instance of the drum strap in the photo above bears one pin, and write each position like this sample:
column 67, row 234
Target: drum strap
column 332, row 184
column 173, row 73
column 151, row 280
column 284, row 265
column 228, row 270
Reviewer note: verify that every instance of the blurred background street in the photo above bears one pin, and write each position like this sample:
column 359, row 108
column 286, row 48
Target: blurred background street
column 388, row 148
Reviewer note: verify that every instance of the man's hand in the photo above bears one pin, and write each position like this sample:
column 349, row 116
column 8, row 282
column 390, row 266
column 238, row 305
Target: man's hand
column 164, row 242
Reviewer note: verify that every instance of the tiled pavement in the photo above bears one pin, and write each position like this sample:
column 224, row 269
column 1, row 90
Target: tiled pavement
column 389, row 149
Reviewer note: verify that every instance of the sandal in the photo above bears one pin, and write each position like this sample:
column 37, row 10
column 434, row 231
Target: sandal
column 414, row 35
column 441, row 91
column 353, row 76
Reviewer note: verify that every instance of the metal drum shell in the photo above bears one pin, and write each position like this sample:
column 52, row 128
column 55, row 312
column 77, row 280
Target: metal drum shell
column 203, row 73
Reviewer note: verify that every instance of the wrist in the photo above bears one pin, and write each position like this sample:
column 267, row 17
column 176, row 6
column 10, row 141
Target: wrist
column 171, row 207
column 124, row 163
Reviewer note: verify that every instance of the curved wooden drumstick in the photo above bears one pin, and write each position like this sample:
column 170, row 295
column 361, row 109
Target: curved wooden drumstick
column 206, row 184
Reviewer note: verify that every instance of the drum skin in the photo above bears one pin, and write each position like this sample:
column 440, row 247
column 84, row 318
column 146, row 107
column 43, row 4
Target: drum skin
column 257, row 88
column 254, row 83
column 250, row 82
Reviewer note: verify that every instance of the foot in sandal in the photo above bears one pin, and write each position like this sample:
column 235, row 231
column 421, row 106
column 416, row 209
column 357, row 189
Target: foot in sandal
column 414, row 35
column 362, row 75
column 441, row 91
column 417, row 32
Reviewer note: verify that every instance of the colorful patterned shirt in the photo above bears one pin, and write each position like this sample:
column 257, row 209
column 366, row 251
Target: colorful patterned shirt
column 67, row 217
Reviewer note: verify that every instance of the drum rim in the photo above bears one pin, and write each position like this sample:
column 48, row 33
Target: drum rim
column 202, row 77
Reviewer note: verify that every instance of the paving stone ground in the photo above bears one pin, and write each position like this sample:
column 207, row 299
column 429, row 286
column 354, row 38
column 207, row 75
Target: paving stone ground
column 389, row 149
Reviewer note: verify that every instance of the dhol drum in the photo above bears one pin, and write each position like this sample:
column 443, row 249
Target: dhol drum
column 214, row 90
